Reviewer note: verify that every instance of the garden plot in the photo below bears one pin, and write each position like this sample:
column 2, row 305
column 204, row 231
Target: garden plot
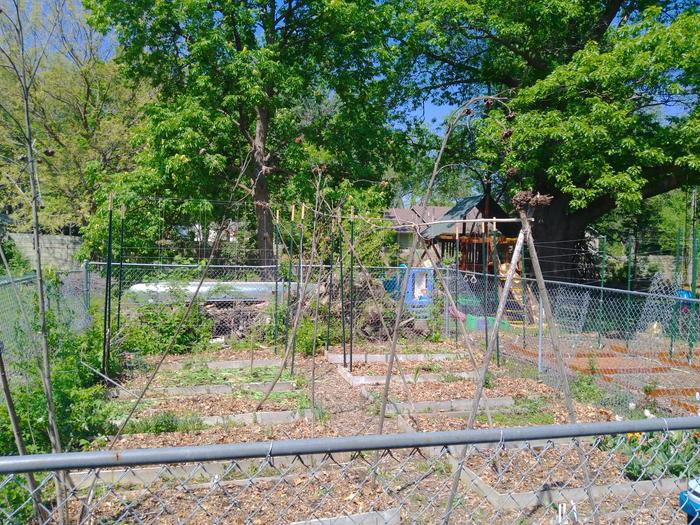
column 413, row 371
column 295, row 499
column 203, row 410
column 379, row 353
column 199, row 379
column 496, row 386
column 518, row 485
column 525, row 411
column 318, row 424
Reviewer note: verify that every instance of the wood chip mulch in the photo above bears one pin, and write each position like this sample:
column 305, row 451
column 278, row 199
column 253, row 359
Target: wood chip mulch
column 434, row 391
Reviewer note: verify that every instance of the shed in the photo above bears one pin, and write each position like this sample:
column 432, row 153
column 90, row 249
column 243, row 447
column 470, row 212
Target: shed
column 477, row 242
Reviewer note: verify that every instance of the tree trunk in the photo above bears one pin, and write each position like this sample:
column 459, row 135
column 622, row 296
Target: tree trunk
column 263, row 239
column 261, row 191
column 559, row 237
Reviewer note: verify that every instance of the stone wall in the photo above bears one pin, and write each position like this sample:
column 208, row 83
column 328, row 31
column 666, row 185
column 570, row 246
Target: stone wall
column 57, row 251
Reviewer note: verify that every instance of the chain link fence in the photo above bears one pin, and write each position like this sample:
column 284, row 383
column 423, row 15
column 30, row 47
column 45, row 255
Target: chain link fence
column 66, row 304
column 638, row 470
column 644, row 342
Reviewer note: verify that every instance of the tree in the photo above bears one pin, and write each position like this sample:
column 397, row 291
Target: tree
column 84, row 116
column 600, row 97
column 255, row 71
column 23, row 45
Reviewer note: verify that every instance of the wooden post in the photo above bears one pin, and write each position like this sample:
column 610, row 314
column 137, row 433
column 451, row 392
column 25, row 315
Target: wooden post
column 456, row 290
column 496, row 261
column 559, row 359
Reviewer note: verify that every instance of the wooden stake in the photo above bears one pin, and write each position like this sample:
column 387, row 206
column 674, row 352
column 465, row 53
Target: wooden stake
column 559, row 359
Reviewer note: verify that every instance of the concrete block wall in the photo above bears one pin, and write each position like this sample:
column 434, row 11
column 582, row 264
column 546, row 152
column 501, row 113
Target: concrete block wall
column 57, row 251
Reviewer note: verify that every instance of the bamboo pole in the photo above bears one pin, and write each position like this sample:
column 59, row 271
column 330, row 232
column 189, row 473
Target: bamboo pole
column 107, row 311
column 341, row 284
column 484, row 371
column 485, row 280
column 290, row 252
column 121, row 266
column 603, row 262
column 275, row 317
column 17, row 433
column 330, row 285
column 352, row 282
column 299, row 279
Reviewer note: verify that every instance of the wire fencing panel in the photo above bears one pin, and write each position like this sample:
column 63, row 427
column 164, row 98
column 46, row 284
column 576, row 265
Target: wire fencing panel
column 66, row 308
column 362, row 302
column 509, row 476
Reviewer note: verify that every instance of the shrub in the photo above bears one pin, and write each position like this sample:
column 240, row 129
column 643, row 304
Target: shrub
column 163, row 422
column 585, row 390
column 78, row 395
column 155, row 325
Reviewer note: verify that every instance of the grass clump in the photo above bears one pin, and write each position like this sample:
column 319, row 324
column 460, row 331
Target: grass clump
column 585, row 390
column 164, row 422
column 526, row 411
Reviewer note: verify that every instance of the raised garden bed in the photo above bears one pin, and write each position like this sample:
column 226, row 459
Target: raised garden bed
column 297, row 499
column 199, row 390
column 498, row 387
column 450, row 405
column 224, row 364
column 212, row 404
column 523, row 412
column 355, row 379
column 201, row 374
column 337, row 358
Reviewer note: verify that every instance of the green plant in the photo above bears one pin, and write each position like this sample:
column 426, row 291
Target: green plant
column 155, row 325
column 592, row 365
column 203, row 375
column 526, row 411
column 19, row 265
column 489, row 380
column 78, row 393
column 305, row 335
column 653, row 456
column 650, row 387
column 322, row 415
column 585, row 390
column 449, row 377
column 164, row 422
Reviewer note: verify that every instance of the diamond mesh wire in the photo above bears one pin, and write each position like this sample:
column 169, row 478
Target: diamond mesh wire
column 636, row 478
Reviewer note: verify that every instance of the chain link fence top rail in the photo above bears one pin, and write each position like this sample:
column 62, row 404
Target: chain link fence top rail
column 639, row 470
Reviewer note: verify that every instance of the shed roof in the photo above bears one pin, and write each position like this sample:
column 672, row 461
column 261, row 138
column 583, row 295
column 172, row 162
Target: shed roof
column 405, row 218
column 473, row 207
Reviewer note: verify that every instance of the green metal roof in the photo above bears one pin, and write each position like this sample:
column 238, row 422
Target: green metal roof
column 470, row 208
column 459, row 210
